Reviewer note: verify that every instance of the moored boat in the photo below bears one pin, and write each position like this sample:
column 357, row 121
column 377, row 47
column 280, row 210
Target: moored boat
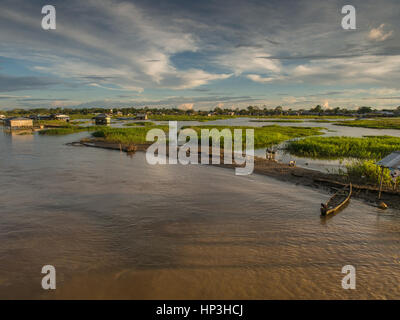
column 337, row 201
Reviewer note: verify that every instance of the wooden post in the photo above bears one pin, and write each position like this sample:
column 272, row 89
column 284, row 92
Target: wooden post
column 380, row 185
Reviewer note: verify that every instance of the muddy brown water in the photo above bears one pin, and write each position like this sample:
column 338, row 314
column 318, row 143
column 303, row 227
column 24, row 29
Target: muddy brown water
column 115, row 227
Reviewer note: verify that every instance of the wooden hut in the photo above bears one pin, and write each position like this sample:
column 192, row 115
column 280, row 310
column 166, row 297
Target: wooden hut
column 141, row 116
column 61, row 117
column 391, row 162
column 18, row 123
column 102, row 119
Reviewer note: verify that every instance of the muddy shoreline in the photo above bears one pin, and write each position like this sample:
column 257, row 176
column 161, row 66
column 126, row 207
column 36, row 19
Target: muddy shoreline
column 283, row 172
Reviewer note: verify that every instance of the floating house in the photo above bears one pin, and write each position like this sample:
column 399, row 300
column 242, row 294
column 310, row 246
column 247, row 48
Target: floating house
column 102, row 119
column 391, row 162
column 61, row 117
column 141, row 116
column 18, row 123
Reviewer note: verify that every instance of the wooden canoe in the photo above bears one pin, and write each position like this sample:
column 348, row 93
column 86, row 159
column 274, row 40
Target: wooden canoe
column 337, row 201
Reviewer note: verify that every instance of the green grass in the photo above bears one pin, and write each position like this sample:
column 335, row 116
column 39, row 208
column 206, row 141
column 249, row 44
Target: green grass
column 333, row 117
column 74, row 122
column 268, row 135
column 279, row 120
column 393, row 123
column 81, row 116
column 321, row 121
column 188, row 117
column 67, row 130
column 371, row 147
column 126, row 135
column 263, row 137
column 141, row 123
column 60, row 131
column 53, row 123
column 366, row 171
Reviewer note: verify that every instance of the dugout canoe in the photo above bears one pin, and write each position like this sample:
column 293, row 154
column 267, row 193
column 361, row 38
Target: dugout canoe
column 337, row 201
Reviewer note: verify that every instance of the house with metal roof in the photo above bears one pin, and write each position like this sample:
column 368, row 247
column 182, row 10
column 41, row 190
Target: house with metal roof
column 18, row 123
column 141, row 116
column 62, row 117
column 102, row 119
column 392, row 161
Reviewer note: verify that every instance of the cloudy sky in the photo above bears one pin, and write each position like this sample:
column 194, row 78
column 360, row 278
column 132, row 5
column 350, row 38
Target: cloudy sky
column 199, row 54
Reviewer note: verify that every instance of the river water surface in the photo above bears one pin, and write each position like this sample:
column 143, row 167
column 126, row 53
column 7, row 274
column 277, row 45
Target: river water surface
column 115, row 227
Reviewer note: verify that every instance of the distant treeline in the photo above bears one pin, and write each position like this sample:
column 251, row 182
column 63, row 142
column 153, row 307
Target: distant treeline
column 249, row 111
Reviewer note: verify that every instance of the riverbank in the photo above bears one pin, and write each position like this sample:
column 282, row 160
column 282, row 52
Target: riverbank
column 281, row 171
column 390, row 123
column 327, row 181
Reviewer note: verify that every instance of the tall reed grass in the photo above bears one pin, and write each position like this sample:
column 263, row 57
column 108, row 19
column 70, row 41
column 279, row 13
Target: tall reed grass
column 371, row 147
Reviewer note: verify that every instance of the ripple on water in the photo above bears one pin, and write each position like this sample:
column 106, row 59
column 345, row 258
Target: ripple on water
column 115, row 227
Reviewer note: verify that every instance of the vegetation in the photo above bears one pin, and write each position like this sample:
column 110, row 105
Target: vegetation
column 188, row 117
column 75, row 116
column 370, row 147
column 368, row 172
column 80, row 121
column 52, row 123
column 384, row 123
column 321, row 121
column 174, row 113
column 263, row 137
column 140, row 123
column 61, row 131
column 279, row 120
column 67, row 130
column 126, row 135
column 268, row 135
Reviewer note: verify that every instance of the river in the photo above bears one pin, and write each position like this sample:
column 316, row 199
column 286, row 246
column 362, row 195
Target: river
column 114, row 226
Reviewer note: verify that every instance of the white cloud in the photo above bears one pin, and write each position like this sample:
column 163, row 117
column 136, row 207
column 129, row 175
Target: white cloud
column 6, row 96
column 63, row 104
column 258, row 78
column 132, row 52
column 186, row 106
column 384, row 91
column 379, row 34
column 357, row 70
column 246, row 59
column 117, row 45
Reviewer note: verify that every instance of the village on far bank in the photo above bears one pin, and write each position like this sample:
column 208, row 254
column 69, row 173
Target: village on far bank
column 104, row 115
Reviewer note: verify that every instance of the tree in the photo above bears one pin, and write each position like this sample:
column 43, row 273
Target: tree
column 278, row 110
column 218, row 110
column 317, row 109
column 364, row 110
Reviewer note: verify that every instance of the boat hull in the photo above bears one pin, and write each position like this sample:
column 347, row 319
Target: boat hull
column 325, row 208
